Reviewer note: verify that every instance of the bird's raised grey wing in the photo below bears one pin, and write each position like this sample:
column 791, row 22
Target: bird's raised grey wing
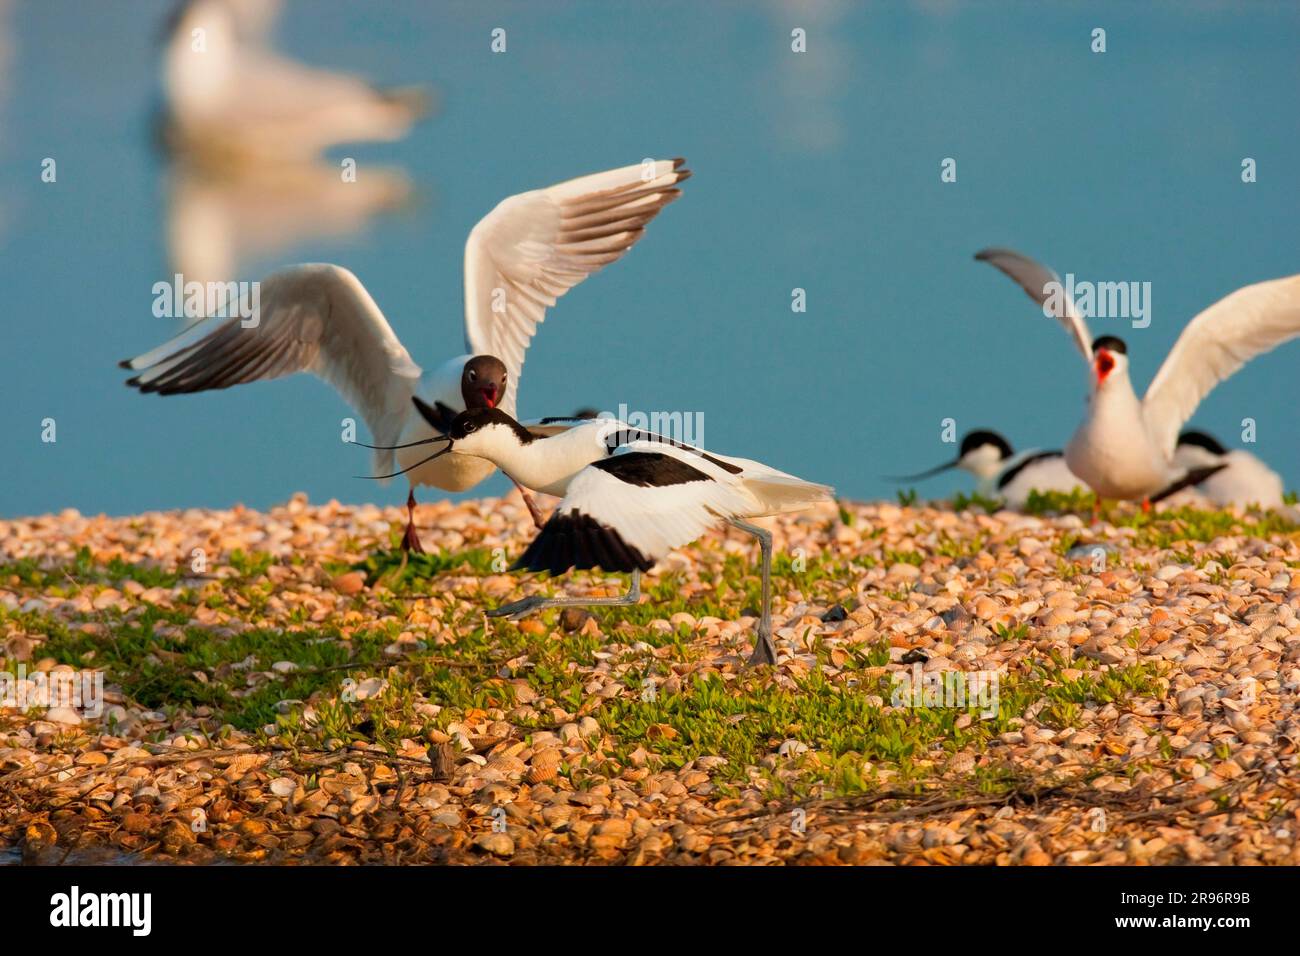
column 1036, row 279
column 315, row 318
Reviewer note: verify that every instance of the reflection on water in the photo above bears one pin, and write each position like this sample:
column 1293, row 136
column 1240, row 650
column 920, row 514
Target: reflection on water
column 244, row 131
column 219, row 220
column 809, row 117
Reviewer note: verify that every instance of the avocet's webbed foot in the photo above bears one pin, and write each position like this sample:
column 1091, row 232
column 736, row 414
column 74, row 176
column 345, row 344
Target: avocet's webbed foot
column 764, row 650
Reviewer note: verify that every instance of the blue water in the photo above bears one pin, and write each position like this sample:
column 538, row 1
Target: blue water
column 818, row 170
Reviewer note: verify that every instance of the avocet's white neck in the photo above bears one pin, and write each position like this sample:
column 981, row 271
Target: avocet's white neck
column 984, row 462
column 542, row 464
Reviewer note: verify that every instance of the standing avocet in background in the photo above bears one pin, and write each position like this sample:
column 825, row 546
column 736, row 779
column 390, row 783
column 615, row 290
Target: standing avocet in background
column 1004, row 473
column 629, row 498
column 1124, row 448
column 1244, row 481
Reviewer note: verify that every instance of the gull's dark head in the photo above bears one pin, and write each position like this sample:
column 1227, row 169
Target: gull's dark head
column 483, row 382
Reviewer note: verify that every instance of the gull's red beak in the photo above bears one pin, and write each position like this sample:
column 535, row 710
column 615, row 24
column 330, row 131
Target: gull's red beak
column 489, row 394
column 1104, row 362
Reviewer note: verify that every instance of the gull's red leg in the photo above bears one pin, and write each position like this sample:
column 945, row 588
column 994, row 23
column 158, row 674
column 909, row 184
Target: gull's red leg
column 533, row 510
column 411, row 540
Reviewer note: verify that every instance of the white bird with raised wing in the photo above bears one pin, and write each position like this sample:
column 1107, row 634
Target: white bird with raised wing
column 1124, row 448
column 629, row 498
column 319, row 318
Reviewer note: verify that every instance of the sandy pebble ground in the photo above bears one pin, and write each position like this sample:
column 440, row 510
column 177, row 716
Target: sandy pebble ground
column 278, row 687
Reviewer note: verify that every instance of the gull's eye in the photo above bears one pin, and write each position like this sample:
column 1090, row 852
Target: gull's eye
column 472, row 375
column 469, row 427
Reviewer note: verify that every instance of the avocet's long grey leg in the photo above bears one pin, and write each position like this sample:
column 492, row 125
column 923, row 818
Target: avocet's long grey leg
column 764, row 649
column 538, row 603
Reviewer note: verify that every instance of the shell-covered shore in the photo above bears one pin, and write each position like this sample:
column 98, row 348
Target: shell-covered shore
column 280, row 687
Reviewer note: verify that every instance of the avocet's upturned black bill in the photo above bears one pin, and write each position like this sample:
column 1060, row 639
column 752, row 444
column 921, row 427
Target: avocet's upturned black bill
column 1124, row 448
column 319, row 318
column 629, row 498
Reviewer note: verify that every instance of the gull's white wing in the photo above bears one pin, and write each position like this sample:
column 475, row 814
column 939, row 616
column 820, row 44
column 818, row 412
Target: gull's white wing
column 1034, row 277
column 1216, row 343
column 315, row 318
column 534, row 247
column 626, row 511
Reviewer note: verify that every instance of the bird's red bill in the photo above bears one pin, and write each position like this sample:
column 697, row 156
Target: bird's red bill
column 1105, row 363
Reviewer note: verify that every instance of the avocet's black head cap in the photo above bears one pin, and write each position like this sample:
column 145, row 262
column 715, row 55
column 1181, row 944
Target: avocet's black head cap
column 1202, row 440
column 476, row 419
column 1111, row 344
column 982, row 436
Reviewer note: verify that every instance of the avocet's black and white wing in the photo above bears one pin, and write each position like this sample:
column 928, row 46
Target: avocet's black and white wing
column 536, row 246
column 625, row 512
column 315, row 318
column 1039, row 471
column 1035, row 278
column 546, row 427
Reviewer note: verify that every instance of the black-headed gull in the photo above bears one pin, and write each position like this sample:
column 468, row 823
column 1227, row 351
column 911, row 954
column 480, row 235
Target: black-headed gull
column 319, row 318
column 1245, row 481
column 1003, row 473
column 231, row 98
column 629, row 498
column 1124, row 448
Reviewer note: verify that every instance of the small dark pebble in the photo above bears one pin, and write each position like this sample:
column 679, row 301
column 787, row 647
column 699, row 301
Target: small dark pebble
column 837, row 613
column 1088, row 552
column 572, row 618
column 915, row 656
